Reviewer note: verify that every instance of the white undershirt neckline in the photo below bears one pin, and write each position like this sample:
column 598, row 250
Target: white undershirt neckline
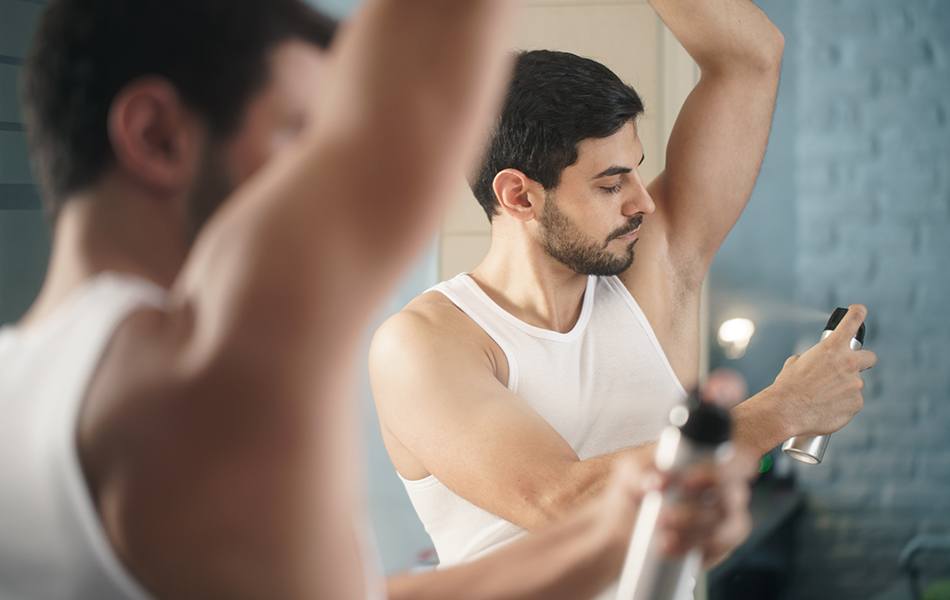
column 587, row 305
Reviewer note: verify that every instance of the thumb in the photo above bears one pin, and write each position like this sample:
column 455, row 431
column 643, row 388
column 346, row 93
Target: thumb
column 628, row 476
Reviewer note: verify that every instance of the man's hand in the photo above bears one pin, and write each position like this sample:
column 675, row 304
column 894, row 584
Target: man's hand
column 711, row 512
column 821, row 390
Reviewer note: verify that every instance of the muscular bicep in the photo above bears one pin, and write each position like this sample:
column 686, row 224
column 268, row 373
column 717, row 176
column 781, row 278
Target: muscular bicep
column 713, row 158
column 440, row 398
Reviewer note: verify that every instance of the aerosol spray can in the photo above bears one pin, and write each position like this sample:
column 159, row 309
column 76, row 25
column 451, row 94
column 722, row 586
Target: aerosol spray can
column 810, row 449
column 696, row 434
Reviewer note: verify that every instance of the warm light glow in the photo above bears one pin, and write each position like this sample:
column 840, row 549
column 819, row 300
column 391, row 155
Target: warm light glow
column 734, row 336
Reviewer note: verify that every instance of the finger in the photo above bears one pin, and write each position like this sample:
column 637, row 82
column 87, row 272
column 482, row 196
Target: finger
column 718, row 521
column 733, row 532
column 651, row 480
column 694, row 521
column 734, row 528
column 677, row 543
column 698, row 479
column 744, row 465
column 790, row 360
column 627, row 470
column 698, row 512
column 672, row 545
column 849, row 325
column 865, row 359
column 633, row 468
column 696, row 533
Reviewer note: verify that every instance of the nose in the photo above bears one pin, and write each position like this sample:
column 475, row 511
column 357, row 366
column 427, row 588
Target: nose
column 639, row 201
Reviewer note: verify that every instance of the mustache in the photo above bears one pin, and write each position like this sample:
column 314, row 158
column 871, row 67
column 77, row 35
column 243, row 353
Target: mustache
column 630, row 226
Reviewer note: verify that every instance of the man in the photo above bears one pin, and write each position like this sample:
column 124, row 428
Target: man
column 506, row 394
column 173, row 408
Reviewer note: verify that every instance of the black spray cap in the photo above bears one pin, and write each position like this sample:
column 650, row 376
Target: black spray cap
column 702, row 422
column 836, row 318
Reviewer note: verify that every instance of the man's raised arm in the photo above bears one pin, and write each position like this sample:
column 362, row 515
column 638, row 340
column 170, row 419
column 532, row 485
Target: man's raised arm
column 407, row 102
column 253, row 494
column 719, row 138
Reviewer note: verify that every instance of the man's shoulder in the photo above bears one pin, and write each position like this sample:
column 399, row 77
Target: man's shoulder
column 431, row 314
column 429, row 327
column 433, row 305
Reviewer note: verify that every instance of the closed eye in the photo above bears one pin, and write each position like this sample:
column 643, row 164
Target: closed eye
column 613, row 189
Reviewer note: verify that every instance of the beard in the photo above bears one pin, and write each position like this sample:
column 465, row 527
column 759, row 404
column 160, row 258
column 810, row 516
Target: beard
column 564, row 242
column 212, row 187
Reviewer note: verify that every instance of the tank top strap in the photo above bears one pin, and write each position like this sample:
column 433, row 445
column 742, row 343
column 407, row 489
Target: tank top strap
column 459, row 290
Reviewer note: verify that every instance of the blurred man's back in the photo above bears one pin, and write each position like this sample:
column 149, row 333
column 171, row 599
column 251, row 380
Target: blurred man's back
column 174, row 408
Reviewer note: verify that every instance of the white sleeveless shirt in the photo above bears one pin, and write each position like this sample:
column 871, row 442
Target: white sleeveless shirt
column 52, row 545
column 603, row 386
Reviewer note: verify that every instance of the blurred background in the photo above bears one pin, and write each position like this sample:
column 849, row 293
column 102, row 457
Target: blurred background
column 853, row 205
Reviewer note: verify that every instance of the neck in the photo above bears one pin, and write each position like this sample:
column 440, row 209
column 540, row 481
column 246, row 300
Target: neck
column 524, row 280
column 104, row 231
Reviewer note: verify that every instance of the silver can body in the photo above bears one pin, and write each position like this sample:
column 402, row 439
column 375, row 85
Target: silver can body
column 810, row 449
column 647, row 574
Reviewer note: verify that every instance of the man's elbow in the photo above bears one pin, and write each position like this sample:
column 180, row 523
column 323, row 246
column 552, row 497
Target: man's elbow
column 773, row 49
column 766, row 52
column 759, row 56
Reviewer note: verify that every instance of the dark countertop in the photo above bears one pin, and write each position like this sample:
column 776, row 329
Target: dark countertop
column 773, row 503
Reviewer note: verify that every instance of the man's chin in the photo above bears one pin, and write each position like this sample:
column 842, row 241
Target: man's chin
column 608, row 269
column 625, row 263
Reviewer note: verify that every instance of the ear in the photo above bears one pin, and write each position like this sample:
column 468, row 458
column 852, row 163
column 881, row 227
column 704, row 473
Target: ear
column 153, row 134
column 517, row 194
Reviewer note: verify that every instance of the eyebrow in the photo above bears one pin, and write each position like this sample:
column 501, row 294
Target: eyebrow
column 617, row 170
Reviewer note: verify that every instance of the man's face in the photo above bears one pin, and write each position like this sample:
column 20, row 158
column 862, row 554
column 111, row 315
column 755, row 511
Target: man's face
column 591, row 221
column 272, row 120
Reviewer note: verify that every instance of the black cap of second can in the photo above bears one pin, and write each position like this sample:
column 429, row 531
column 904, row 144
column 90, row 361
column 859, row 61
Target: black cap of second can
column 836, row 318
column 707, row 424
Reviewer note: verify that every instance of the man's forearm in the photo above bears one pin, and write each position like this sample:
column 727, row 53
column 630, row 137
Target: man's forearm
column 760, row 422
column 723, row 33
column 574, row 559
column 578, row 483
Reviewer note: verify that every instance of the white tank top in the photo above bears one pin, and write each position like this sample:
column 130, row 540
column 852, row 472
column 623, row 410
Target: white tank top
column 604, row 385
column 52, row 545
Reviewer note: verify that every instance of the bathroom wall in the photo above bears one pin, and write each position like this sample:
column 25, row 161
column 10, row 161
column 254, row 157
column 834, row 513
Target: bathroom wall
column 853, row 205
column 873, row 215
column 23, row 233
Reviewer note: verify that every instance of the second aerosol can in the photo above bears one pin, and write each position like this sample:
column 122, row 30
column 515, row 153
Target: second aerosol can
column 810, row 449
column 697, row 434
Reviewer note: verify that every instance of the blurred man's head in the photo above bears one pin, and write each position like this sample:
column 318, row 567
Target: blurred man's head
column 563, row 159
column 182, row 99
